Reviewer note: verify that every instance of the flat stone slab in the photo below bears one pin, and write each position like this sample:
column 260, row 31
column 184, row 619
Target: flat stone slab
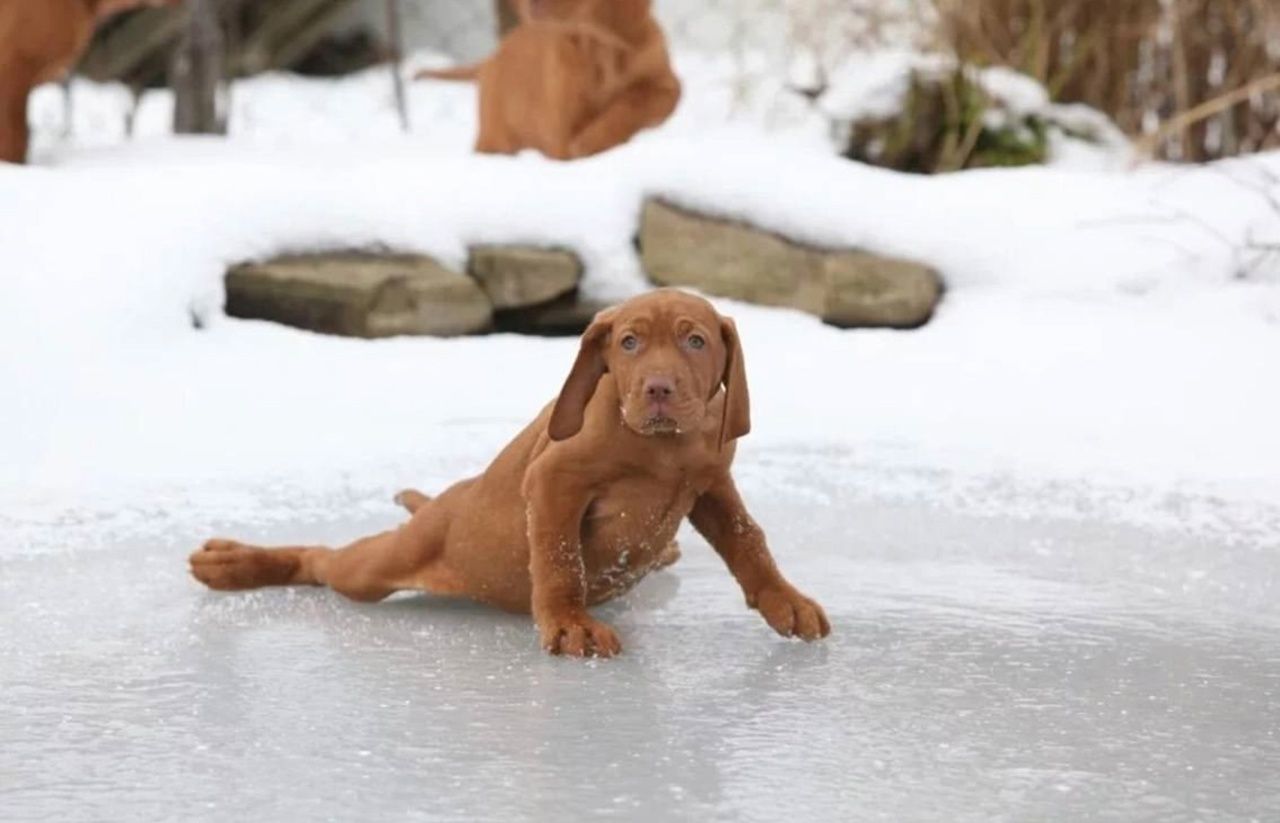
column 846, row 288
column 516, row 277
column 358, row 294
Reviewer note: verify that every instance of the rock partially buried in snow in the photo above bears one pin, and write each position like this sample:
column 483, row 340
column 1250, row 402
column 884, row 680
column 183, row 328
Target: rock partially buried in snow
column 846, row 288
column 516, row 277
column 865, row 290
column 681, row 248
column 359, row 295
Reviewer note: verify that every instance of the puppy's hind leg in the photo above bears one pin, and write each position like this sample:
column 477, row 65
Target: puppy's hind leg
column 368, row 570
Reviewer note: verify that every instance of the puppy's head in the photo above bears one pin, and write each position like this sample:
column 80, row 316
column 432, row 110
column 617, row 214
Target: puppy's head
column 669, row 353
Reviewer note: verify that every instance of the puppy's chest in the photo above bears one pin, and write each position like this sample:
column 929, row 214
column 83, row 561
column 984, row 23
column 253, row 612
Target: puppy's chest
column 633, row 522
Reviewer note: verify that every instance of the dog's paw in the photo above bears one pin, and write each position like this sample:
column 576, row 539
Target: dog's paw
column 226, row 565
column 791, row 614
column 578, row 635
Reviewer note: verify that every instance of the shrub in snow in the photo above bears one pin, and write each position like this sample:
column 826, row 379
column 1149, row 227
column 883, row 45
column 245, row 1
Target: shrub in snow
column 930, row 114
column 1143, row 62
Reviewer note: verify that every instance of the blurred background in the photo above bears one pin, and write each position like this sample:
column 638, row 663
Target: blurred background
column 1179, row 80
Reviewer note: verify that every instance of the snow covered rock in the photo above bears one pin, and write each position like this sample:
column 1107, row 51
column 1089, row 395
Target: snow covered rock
column 359, row 294
column 517, row 277
column 847, row 288
column 866, row 290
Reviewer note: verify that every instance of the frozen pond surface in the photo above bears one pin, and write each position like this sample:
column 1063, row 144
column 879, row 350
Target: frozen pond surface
column 986, row 663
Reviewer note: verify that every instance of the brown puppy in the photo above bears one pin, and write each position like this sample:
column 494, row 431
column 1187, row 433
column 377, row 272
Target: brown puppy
column 575, row 78
column 41, row 40
column 585, row 501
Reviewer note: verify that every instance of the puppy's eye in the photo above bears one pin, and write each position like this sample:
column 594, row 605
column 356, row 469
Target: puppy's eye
column 697, row 341
column 630, row 342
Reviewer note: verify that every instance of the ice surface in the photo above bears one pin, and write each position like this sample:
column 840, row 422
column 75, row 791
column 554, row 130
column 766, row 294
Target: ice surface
column 990, row 660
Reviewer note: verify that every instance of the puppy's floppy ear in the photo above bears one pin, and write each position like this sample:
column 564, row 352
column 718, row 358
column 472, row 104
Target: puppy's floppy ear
column 735, row 420
column 588, row 368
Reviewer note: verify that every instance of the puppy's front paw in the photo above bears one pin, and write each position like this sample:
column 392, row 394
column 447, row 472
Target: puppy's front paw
column 578, row 635
column 791, row 614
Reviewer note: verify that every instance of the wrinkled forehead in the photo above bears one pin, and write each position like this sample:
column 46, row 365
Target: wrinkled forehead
column 558, row 8
column 668, row 309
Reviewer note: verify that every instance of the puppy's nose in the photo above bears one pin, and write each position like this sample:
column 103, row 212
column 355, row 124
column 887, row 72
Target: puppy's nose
column 659, row 389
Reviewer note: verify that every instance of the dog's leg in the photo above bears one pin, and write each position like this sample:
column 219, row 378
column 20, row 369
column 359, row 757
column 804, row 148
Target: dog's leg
column 558, row 575
column 720, row 516
column 640, row 106
column 561, row 104
column 228, row 565
column 367, row 570
column 493, row 135
column 14, row 134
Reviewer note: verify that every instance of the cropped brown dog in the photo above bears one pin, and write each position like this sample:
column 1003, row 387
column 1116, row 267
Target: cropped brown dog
column 585, row 501
column 40, row 40
column 575, row 78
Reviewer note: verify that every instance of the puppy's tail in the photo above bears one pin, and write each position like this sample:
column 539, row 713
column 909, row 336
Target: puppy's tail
column 461, row 73
column 412, row 500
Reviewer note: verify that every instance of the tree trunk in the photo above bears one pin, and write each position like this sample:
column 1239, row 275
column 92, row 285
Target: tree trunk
column 506, row 14
column 395, row 43
column 198, row 72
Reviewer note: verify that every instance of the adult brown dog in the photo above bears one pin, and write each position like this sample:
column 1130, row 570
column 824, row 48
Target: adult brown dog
column 41, row 40
column 575, row 78
column 585, row 501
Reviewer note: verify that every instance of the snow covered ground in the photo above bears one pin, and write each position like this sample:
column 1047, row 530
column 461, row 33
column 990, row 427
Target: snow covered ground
column 1046, row 524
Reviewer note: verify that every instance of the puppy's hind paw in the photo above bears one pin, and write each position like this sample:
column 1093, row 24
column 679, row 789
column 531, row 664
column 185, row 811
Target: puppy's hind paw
column 226, row 565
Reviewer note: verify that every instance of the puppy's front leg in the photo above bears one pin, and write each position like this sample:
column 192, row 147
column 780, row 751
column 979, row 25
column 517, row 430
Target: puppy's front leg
column 14, row 134
column 559, row 577
column 721, row 517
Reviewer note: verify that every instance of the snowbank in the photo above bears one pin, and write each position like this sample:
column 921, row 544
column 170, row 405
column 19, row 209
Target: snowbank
column 1100, row 328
